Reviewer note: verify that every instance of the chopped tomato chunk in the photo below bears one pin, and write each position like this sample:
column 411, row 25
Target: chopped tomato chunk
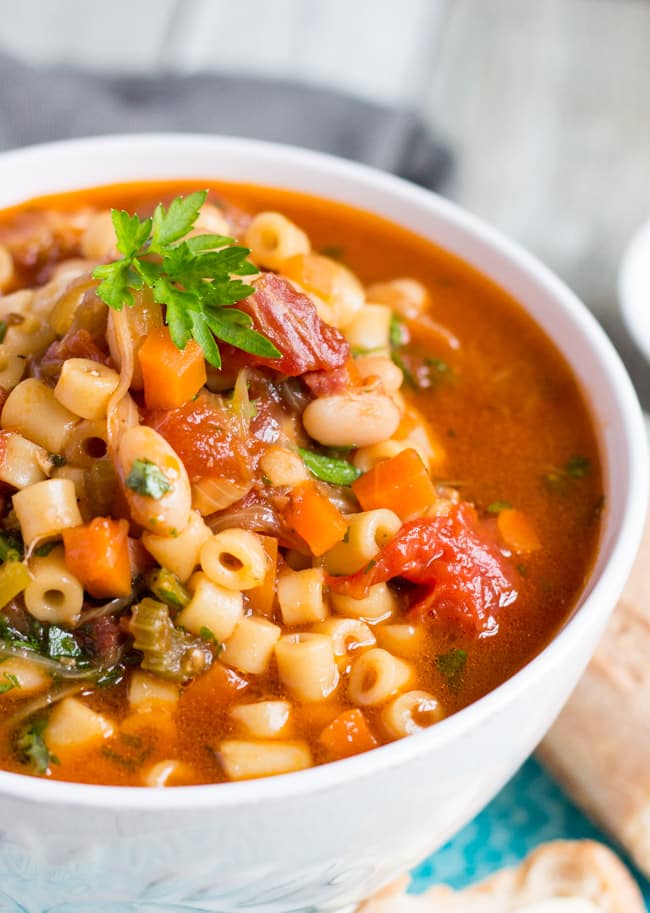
column 206, row 437
column 290, row 321
column 463, row 575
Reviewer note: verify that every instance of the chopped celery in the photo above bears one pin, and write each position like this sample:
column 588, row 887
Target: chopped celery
column 14, row 577
column 166, row 650
column 168, row 588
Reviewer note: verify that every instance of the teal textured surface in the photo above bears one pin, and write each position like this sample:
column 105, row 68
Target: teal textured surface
column 530, row 810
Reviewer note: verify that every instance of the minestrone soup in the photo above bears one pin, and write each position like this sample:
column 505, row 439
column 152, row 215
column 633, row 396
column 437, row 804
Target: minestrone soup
column 280, row 482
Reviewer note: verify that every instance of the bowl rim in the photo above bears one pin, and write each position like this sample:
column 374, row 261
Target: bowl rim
column 634, row 287
column 594, row 608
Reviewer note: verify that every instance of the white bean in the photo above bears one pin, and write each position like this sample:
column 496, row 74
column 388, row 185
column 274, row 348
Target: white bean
column 351, row 419
column 389, row 374
column 168, row 514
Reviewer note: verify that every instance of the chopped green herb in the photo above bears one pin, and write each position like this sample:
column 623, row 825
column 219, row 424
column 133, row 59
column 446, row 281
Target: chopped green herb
column 10, row 682
column 168, row 588
column 207, row 635
column 372, row 563
column 398, row 332
column 329, row 469
column 266, row 480
column 497, row 506
column 135, row 752
column 11, row 548
column 191, row 276
column 452, row 665
column 522, row 569
column 578, row 467
column 333, row 251
column 15, row 638
column 409, row 378
column 559, row 480
column 112, row 676
column 146, row 478
column 44, row 550
column 57, row 460
column 32, row 748
column 346, row 537
column 360, row 350
column 3, row 330
column 556, row 481
column 60, row 644
column 438, row 365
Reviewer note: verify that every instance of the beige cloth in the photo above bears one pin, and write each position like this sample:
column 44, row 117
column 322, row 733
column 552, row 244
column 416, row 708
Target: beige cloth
column 599, row 748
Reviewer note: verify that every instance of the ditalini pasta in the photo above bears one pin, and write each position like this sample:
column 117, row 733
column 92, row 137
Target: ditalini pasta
column 279, row 483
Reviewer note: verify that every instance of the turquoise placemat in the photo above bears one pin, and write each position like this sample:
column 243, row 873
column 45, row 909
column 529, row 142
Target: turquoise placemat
column 530, row 810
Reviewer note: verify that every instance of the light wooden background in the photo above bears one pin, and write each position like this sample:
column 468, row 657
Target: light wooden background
column 547, row 102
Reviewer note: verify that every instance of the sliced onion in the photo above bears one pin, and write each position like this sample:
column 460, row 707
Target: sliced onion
column 293, row 395
column 117, row 416
column 212, row 494
column 260, row 518
column 55, row 694
column 109, row 608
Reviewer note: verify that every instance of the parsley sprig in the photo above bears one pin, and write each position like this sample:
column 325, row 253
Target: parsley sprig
column 191, row 276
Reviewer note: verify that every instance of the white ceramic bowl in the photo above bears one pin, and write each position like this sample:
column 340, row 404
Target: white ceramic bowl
column 322, row 839
column 634, row 288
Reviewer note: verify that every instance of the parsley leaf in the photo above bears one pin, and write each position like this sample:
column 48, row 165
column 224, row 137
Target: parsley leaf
column 329, row 469
column 44, row 550
column 131, row 233
column 10, row 682
column 559, row 481
column 32, row 747
column 61, row 644
column 175, row 222
column 146, row 478
column 398, row 332
column 192, row 277
column 15, row 638
column 4, row 326
column 452, row 665
column 497, row 506
column 11, row 548
column 578, row 467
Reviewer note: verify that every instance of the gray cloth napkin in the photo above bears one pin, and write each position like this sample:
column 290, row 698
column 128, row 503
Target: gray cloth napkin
column 56, row 103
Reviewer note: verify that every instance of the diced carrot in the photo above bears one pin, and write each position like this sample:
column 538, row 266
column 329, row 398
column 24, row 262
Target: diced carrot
column 261, row 597
column 402, row 484
column 97, row 553
column 517, row 531
column 347, row 735
column 313, row 516
column 171, row 376
column 219, row 685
